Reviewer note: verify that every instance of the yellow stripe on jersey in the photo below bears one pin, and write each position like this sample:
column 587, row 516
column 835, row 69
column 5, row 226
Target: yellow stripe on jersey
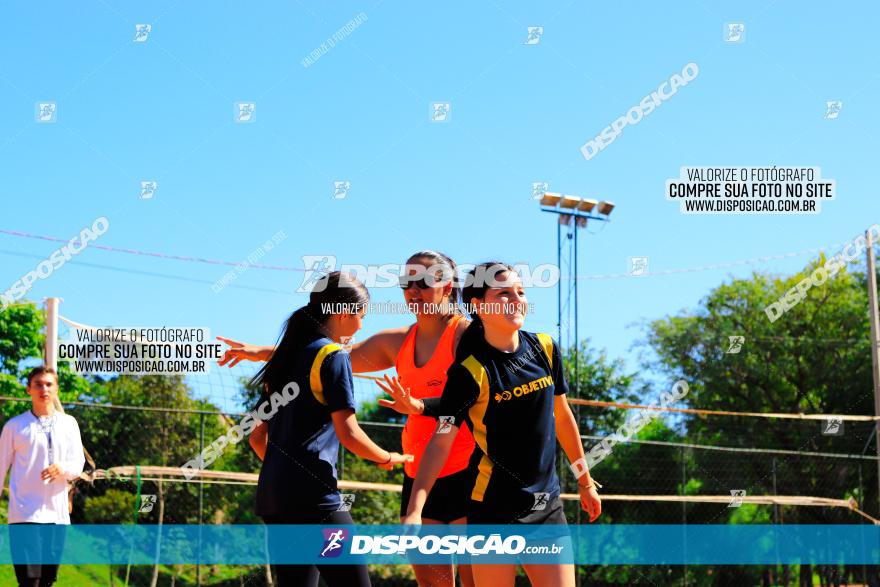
column 315, row 373
column 547, row 342
column 477, row 413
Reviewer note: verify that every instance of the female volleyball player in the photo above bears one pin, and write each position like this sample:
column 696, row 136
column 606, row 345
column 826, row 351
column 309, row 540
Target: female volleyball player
column 508, row 385
column 297, row 483
column 422, row 354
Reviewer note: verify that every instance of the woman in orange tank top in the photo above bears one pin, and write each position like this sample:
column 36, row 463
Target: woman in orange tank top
column 425, row 382
column 422, row 353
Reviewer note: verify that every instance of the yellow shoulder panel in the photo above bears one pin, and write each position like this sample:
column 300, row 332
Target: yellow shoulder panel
column 315, row 373
column 547, row 342
column 477, row 413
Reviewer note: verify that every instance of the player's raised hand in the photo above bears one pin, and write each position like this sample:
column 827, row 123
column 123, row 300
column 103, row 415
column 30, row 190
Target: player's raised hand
column 402, row 402
column 239, row 351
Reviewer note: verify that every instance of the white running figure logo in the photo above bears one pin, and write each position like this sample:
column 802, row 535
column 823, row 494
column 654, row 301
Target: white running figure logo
column 334, row 542
column 444, row 424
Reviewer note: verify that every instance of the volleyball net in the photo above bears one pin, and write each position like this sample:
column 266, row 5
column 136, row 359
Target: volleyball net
column 140, row 431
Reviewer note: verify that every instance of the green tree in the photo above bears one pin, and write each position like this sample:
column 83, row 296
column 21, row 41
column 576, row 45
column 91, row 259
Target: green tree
column 21, row 343
column 813, row 359
column 591, row 375
column 132, row 436
column 114, row 507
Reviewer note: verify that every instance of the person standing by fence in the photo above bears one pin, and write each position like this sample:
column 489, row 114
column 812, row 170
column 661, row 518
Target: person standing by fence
column 44, row 449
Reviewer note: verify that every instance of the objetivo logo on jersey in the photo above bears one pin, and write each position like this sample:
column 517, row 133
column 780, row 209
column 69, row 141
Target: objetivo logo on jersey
column 393, row 274
column 56, row 260
column 635, row 114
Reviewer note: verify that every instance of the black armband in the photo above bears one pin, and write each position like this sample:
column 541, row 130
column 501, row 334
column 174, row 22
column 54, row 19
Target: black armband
column 432, row 404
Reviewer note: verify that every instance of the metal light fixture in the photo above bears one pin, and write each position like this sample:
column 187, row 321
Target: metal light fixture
column 606, row 208
column 587, row 205
column 550, row 199
column 569, row 202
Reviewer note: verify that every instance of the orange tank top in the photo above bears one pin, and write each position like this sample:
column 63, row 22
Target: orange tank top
column 428, row 381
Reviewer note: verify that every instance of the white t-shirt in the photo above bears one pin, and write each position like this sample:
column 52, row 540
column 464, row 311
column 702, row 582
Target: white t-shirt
column 24, row 445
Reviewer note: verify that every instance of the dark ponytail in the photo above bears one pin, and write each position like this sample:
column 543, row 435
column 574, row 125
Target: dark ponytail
column 333, row 293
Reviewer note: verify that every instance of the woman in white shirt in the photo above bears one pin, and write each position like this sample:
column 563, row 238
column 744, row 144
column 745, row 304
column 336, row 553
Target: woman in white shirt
column 44, row 449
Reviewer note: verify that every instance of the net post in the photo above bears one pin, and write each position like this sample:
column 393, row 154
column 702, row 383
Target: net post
column 50, row 346
column 201, row 498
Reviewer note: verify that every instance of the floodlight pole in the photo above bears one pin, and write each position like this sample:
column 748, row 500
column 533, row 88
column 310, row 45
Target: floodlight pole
column 559, row 288
column 570, row 280
column 574, row 278
column 574, row 215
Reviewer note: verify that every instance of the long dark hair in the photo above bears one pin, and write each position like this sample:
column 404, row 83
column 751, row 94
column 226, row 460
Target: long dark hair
column 478, row 281
column 450, row 271
column 332, row 293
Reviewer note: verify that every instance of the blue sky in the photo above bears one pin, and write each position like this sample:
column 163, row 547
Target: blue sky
column 162, row 110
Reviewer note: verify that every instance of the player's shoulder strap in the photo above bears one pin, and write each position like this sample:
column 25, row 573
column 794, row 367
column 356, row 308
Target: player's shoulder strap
column 315, row 372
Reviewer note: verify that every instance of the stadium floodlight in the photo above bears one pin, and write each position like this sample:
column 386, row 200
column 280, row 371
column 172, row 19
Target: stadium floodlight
column 606, row 207
column 569, row 207
column 550, row 199
column 570, row 202
column 587, row 205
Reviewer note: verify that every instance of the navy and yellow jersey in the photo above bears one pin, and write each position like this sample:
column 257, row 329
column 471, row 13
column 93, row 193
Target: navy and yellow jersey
column 507, row 400
column 299, row 468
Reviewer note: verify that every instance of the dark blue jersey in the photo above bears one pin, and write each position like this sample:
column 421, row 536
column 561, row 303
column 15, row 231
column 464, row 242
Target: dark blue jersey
column 507, row 400
column 299, row 469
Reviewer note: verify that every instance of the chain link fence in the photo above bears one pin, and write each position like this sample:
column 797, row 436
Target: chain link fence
column 676, row 465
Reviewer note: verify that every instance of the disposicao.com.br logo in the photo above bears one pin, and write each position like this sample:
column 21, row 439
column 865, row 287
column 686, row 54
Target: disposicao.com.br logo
column 475, row 545
column 485, row 546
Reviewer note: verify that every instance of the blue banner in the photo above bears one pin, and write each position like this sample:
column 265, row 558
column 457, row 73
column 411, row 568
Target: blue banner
column 396, row 544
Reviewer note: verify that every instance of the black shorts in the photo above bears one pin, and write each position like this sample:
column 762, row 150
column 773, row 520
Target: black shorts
column 539, row 527
column 448, row 499
column 307, row 575
column 32, row 546
column 486, row 512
